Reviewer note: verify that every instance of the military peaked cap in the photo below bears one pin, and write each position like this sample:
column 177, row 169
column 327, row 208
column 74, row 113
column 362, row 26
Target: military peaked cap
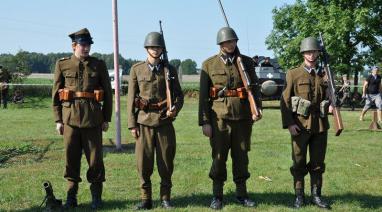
column 82, row 37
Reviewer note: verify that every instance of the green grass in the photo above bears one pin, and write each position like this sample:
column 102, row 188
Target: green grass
column 34, row 153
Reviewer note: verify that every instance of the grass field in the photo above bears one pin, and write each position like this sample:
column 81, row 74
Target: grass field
column 31, row 152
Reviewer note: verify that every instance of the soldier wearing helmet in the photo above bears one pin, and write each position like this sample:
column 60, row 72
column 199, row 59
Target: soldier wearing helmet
column 225, row 116
column 154, row 133
column 304, row 110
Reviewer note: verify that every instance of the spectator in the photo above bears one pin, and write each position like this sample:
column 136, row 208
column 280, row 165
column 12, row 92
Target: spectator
column 371, row 91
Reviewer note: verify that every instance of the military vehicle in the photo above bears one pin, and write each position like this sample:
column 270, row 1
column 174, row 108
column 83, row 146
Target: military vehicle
column 271, row 79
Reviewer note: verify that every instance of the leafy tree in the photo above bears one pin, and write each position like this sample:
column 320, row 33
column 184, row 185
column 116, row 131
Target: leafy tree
column 351, row 29
column 188, row 67
column 175, row 62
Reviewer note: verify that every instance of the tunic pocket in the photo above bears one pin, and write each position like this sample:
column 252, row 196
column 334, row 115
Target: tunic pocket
column 70, row 78
column 303, row 88
column 219, row 77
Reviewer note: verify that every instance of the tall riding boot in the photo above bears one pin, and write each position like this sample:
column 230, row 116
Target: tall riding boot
column 71, row 198
column 96, row 191
column 299, row 192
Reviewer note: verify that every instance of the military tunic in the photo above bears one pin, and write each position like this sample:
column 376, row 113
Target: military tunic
column 230, row 119
column 313, row 134
column 82, row 117
column 156, row 134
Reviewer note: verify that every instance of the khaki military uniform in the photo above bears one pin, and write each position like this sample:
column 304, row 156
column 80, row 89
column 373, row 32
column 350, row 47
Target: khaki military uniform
column 4, row 79
column 157, row 134
column 230, row 119
column 314, row 128
column 82, row 117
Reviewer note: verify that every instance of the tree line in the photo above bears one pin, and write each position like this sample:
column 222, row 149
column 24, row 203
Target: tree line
column 25, row 62
column 352, row 32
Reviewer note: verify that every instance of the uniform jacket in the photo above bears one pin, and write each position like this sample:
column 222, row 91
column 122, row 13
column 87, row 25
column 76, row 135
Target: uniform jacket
column 301, row 83
column 86, row 76
column 215, row 73
column 151, row 86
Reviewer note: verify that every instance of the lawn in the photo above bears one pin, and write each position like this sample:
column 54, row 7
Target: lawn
column 31, row 152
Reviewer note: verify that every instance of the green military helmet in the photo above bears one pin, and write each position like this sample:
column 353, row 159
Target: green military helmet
column 154, row 39
column 226, row 34
column 309, row 44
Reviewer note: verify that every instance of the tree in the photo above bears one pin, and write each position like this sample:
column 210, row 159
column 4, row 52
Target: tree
column 175, row 62
column 188, row 66
column 351, row 29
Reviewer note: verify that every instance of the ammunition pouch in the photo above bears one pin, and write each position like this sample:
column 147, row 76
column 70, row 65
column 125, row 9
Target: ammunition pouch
column 68, row 95
column 300, row 106
column 223, row 92
column 324, row 108
column 144, row 104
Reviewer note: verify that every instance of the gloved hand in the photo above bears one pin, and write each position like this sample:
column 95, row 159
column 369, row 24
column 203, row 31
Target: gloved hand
column 105, row 126
column 60, row 128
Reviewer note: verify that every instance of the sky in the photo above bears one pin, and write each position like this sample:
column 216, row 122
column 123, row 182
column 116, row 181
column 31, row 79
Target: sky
column 190, row 27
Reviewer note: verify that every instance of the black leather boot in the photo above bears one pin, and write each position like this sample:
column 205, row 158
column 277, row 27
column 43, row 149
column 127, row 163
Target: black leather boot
column 145, row 205
column 216, row 203
column 96, row 191
column 317, row 199
column 71, row 197
column 299, row 202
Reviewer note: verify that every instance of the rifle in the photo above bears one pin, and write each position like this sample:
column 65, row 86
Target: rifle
column 169, row 93
column 338, row 125
column 51, row 202
column 243, row 73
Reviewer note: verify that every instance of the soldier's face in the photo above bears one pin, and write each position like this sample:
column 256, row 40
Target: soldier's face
column 228, row 46
column 155, row 52
column 310, row 56
column 81, row 50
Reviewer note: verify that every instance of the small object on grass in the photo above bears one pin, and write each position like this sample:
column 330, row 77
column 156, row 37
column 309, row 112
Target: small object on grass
column 265, row 178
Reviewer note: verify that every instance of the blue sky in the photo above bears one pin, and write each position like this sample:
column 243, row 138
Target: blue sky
column 190, row 27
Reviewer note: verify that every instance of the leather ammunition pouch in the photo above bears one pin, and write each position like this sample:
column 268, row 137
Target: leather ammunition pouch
column 324, row 108
column 68, row 95
column 144, row 104
column 223, row 92
column 300, row 106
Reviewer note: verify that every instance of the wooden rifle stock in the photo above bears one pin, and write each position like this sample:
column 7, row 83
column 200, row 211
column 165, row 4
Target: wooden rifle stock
column 169, row 99
column 338, row 125
column 247, row 84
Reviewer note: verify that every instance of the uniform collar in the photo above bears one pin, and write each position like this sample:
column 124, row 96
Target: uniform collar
column 227, row 59
column 78, row 61
column 154, row 68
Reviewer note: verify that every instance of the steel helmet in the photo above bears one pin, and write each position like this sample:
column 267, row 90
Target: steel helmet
column 309, row 44
column 154, row 39
column 226, row 34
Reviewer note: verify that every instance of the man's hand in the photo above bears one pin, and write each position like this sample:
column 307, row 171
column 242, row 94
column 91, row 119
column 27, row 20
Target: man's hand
column 207, row 130
column 294, row 129
column 257, row 118
column 105, row 126
column 171, row 113
column 330, row 109
column 135, row 132
column 60, row 128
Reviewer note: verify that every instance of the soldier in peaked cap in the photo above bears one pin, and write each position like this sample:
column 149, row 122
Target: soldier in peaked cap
column 225, row 116
column 304, row 111
column 82, row 107
column 150, row 122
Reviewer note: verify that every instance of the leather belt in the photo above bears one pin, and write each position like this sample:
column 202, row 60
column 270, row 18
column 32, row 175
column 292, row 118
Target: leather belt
column 84, row 95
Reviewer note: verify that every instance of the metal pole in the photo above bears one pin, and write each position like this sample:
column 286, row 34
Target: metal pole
column 116, row 76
